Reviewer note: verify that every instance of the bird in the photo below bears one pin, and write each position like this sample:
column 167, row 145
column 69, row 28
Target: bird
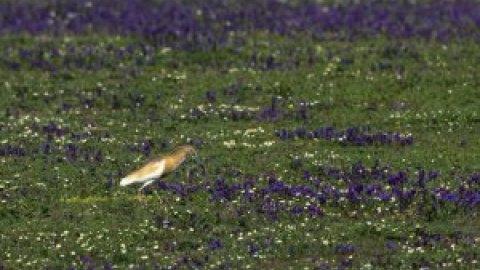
column 158, row 167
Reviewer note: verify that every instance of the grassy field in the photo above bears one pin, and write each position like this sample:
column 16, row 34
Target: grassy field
column 331, row 136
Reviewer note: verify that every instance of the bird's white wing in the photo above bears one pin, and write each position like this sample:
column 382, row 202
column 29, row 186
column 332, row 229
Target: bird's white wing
column 150, row 171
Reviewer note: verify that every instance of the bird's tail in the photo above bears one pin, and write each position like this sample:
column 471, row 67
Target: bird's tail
column 127, row 181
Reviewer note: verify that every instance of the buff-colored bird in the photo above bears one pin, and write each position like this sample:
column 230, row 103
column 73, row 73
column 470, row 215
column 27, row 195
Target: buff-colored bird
column 158, row 167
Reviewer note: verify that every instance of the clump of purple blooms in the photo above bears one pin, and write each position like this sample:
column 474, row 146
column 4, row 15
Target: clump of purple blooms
column 349, row 136
column 329, row 186
column 208, row 24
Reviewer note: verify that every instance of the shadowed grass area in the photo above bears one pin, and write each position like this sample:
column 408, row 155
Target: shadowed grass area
column 97, row 199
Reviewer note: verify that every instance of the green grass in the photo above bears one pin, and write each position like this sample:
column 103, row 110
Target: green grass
column 53, row 214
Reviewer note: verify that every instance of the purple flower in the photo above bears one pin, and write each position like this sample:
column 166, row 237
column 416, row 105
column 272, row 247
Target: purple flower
column 297, row 210
column 85, row 259
column 211, row 96
column 14, row 65
column 198, row 263
column 385, row 196
column 345, row 248
column 45, row 148
column 99, row 156
column 252, row 248
column 215, row 244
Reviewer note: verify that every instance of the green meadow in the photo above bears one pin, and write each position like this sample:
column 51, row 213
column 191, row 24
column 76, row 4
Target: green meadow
column 316, row 154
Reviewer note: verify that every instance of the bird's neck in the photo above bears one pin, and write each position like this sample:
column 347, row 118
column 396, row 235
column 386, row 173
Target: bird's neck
column 180, row 156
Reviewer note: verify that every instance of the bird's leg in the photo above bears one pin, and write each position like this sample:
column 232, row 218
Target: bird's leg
column 155, row 192
column 146, row 184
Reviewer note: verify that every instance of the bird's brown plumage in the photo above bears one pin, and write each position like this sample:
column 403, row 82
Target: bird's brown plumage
column 158, row 167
